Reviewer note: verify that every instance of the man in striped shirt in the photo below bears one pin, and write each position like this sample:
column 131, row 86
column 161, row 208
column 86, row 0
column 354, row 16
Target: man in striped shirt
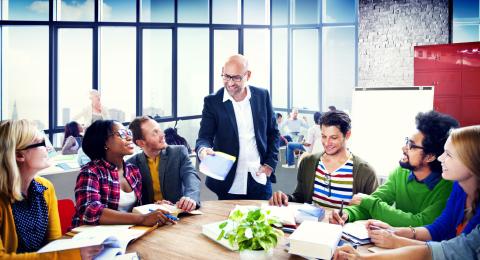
column 328, row 178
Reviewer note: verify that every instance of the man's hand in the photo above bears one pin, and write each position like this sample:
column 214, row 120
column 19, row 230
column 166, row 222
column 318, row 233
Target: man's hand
column 187, row 204
column 335, row 218
column 278, row 199
column 357, row 198
column 265, row 169
column 163, row 202
column 204, row 152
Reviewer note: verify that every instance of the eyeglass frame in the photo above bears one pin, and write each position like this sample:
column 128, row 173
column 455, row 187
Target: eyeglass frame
column 238, row 78
column 411, row 145
column 42, row 143
column 123, row 133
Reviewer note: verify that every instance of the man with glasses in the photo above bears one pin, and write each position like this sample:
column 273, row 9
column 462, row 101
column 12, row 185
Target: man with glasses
column 239, row 120
column 168, row 175
column 332, row 177
column 415, row 193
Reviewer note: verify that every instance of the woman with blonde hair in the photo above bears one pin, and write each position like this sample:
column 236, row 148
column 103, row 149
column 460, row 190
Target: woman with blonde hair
column 28, row 206
column 459, row 220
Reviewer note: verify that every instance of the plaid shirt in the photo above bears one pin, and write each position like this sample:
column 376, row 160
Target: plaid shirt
column 98, row 187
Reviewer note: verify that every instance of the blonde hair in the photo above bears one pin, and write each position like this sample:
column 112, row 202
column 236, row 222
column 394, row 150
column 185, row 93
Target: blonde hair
column 14, row 136
column 466, row 141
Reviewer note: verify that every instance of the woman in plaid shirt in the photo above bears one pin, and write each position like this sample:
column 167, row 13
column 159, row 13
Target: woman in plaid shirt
column 107, row 187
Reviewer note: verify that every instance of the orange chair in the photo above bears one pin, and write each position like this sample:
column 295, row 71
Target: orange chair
column 66, row 210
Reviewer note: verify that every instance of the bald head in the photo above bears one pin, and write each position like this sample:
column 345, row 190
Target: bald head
column 235, row 76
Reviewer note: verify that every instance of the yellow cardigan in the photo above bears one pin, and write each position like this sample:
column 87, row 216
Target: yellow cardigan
column 8, row 233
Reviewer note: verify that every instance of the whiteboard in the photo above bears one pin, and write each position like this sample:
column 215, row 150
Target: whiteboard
column 381, row 119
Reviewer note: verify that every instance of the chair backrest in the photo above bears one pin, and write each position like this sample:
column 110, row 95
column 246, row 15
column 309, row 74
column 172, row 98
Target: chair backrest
column 66, row 210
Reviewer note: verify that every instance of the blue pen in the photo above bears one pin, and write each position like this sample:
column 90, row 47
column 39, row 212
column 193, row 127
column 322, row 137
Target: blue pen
column 167, row 215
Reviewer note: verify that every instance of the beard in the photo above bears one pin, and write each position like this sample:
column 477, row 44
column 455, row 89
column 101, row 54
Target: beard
column 406, row 165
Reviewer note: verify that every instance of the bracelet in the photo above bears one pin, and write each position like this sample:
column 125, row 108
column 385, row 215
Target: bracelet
column 414, row 232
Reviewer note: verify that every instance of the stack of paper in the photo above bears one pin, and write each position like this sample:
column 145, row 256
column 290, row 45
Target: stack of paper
column 356, row 233
column 315, row 239
column 217, row 166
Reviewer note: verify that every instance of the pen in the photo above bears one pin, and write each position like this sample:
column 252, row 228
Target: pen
column 167, row 215
column 340, row 213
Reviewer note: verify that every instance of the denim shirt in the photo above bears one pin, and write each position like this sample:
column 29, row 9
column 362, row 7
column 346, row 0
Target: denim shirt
column 460, row 247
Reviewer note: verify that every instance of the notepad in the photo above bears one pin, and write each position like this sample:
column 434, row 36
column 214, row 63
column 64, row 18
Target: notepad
column 217, row 166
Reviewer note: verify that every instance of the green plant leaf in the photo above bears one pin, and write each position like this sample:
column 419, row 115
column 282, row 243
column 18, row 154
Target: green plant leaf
column 223, row 225
column 221, row 235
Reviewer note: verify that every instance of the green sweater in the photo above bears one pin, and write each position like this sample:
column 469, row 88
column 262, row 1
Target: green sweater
column 400, row 202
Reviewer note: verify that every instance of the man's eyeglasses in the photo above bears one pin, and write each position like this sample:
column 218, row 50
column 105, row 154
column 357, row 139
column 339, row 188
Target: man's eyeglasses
column 410, row 145
column 234, row 78
column 123, row 133
column 42, row 143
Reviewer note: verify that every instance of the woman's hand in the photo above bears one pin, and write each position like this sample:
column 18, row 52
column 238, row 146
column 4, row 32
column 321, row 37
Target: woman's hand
column 156, row 217
column 88, row 253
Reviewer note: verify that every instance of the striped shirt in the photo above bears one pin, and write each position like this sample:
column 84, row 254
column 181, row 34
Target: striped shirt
column 331, row 188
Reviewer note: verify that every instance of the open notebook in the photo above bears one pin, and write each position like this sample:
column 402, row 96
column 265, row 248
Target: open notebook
column 172, row 209
column 114, row 239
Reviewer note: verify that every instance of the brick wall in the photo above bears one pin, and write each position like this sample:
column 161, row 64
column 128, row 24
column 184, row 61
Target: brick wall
column 388, row 30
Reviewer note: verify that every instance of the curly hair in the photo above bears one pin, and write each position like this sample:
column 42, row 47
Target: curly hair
column 435, row 128
column 96, row 137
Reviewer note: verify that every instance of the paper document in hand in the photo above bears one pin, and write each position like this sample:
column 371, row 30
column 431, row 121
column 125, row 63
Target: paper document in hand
column 172, row 209
column 315, row 239
column 217, row 166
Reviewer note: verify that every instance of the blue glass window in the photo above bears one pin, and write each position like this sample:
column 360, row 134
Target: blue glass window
column 193, row 11
column 28, row 10
column 465, row 9
column 226, row 11
column 117, row 10
column 256, row 12
column 280, row 12
column 338, row 11
column 159, row 11
column 305, row 11
column 75, row 10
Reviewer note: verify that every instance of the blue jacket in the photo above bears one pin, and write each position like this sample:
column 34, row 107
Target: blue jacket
column 445, row 226
column 218, row 130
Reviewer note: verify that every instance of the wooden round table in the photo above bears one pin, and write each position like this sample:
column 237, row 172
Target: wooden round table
column 186, row 241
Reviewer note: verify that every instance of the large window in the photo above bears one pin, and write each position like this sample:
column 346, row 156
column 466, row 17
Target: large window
column 25, row 73
column 466, row 21
column 74, row 78
column 163, row 58
column 193, row 60
column 118, row 71
column 157, row 72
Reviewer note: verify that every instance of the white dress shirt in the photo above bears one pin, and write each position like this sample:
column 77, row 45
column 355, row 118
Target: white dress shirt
column 248, row 159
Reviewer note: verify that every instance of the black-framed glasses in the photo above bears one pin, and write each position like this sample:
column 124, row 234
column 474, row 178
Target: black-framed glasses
column 234, row 78
column 123, row 133
column 411, row 145
column 42, row 143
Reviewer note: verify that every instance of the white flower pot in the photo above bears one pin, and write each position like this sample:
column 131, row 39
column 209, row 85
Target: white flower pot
column 256, row 254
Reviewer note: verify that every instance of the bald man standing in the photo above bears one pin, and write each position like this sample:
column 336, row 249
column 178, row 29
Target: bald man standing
column 239, row 120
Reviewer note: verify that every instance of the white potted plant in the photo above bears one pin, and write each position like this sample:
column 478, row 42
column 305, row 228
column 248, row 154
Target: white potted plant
column 252, row 233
